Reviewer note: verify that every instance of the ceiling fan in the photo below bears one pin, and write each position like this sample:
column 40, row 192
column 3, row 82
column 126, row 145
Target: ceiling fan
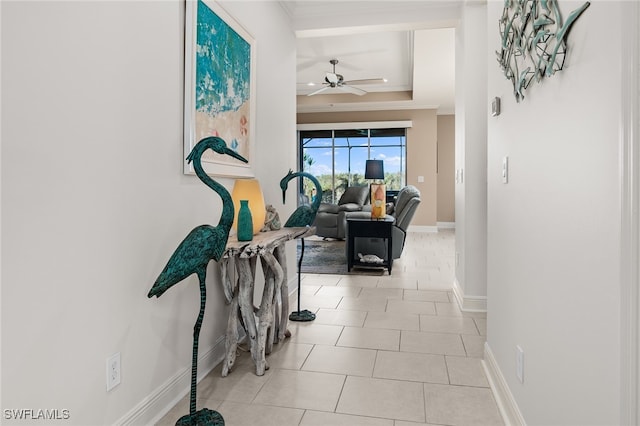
column 333, row 80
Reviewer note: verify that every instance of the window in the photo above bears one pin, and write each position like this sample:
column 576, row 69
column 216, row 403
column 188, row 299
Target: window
column 337, row 158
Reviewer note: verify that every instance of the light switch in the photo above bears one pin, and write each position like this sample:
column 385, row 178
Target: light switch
column 420, row 179
column 495, row 107
column 505, row 169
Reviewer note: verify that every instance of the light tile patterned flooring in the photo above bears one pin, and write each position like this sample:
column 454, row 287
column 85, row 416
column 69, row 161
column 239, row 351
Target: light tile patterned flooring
column 384, row 350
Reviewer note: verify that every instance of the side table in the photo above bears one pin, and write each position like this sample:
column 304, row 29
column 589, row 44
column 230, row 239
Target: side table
column 370, row 228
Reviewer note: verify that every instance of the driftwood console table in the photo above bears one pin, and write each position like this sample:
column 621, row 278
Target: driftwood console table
column 273, row 313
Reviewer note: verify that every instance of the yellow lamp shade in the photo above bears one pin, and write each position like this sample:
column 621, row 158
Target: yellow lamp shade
column 249, row 189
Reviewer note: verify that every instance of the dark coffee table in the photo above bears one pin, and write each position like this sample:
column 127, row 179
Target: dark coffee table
column 369, row 228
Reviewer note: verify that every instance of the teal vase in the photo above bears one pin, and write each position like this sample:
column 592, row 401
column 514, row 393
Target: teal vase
column 245, row 222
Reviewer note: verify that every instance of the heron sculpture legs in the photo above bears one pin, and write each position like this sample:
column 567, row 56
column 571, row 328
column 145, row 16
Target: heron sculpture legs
column 205, row 416
column 299, row 315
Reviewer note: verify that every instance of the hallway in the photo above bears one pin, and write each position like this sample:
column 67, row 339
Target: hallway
column 383, row 350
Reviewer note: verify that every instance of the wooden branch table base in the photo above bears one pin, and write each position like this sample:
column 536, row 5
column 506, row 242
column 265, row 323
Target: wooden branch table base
column 272, row 315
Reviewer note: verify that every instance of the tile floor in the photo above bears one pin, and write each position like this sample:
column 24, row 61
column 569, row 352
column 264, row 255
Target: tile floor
column 383, row 350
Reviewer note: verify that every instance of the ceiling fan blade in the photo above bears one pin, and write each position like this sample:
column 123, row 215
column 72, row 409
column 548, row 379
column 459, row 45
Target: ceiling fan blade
column 367, row 81
column 352, row 89
column 319, row 91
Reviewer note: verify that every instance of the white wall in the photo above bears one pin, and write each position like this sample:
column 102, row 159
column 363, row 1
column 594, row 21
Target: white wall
column 553, row 230
column 94, row 200
column 471, row 159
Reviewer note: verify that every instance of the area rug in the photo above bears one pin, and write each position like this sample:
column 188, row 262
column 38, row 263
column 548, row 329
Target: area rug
column 329, row 257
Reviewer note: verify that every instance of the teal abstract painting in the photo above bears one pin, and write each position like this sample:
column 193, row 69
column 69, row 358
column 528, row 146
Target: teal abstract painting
column 219, row 58
column 222, row 66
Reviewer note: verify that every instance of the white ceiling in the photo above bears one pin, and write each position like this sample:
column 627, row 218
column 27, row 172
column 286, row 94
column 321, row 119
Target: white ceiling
column 386, row 55
column 409, row 43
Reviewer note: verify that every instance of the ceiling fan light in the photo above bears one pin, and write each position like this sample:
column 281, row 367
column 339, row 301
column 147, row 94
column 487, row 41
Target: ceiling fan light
column 331, row 78
column 311, row 83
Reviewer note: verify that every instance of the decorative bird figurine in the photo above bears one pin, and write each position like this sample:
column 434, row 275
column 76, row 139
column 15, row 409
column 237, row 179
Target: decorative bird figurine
column 306, row 214
column 192, row 256
column 302, row 216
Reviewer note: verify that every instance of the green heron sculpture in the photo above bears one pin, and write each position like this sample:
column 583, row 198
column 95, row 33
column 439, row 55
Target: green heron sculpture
column 305, row 214
column 192, row 256
column 302, row 216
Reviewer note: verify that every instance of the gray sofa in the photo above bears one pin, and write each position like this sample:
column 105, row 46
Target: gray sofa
column 405, row 207
column 331, row 219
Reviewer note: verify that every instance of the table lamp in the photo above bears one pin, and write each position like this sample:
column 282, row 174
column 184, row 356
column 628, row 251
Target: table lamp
column 374, row 169
column 249, row 190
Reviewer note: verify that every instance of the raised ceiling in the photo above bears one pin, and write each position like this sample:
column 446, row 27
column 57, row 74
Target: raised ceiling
column 387, row 55
column 409, row 43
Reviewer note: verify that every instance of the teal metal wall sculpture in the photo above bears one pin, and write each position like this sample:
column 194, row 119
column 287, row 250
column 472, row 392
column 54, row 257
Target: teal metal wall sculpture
column 192, row 256
column 533, row 41
column 302, row 216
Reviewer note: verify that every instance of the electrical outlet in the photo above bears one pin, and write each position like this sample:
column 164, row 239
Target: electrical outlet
column 113, row 371
column 520, row 364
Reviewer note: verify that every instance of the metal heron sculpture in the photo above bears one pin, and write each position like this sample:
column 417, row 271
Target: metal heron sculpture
column 302, row 216
column 192, row 256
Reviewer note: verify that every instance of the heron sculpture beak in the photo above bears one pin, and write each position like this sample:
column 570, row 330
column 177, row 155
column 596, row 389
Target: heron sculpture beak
column 284, row 196
column 235, row 155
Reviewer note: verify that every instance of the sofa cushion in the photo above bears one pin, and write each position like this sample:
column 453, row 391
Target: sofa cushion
column 350, row 207
column 328, row 208
column 355, row 194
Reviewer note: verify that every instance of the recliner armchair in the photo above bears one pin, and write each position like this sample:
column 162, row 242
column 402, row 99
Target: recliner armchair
column 331, row 220
column 405, row 207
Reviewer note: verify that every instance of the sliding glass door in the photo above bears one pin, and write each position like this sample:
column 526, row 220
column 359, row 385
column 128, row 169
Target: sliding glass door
column 337, row 158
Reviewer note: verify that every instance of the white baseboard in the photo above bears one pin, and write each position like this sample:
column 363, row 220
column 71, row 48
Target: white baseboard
column 420, row 228
column 504, row 398
column 152, row 408
column 469, row 303
column 446, row 225
column 156, row 405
